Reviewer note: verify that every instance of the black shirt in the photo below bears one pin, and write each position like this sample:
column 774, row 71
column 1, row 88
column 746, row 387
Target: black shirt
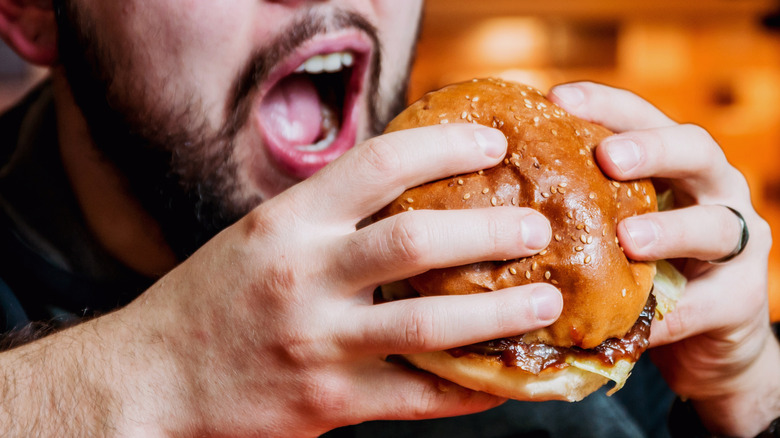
column 51, row 266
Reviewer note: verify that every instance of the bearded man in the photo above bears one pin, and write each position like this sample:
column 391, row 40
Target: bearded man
column 181, row 252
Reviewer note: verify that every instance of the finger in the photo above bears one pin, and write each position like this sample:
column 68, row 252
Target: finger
column 395, row 392
column 441, row 322
column 413, row 242
column 619, row 110
column 704, row 232
column 685, row 153
column 701, row 308
column 378, row 170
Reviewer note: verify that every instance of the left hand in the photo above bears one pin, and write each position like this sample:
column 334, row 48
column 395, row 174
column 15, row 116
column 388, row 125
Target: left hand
column 716, row 348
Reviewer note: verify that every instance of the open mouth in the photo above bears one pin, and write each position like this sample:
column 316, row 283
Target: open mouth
column 308, row 114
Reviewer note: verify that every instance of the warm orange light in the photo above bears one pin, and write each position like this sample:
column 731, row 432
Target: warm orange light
column 509, row 42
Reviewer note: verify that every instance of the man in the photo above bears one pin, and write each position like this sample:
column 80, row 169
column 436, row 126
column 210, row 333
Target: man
column 184, row 132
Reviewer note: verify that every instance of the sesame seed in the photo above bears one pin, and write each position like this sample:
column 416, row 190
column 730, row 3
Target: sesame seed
column 587, row 229
column 475, row 99
column 557, row 238
column 513, row 271
column 517, row 117
column 512, row 108
column 636, row 186
column 528, row 274
column 563, row 184
column 410, row 200
column 616, row 184
column 464, row 114
column 535, row 266
column 493, row 201
column 536, row 120
column 578, row 248
column 628, row 193
column 647, row 199
column 616, row 240
column 485, row 190
column 466, row 196
column 553, row 189
column 501, row 124
column 547, row 275
column 543, row 252
column 546, row 116
column 554, row 132
column 590, row 240
column 546, row 195
column 584, row 239
column 570, row 215
column 481, row 172
column 623, row 292
column 460, row 182
column 469, row 118
column 592, row 196
column 444, row 121
column 580, row 226
column 506, row 160
column 554, row 282
column 587, row 260
column 410, row 209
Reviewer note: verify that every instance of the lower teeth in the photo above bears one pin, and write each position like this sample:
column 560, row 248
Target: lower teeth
column 330, row 126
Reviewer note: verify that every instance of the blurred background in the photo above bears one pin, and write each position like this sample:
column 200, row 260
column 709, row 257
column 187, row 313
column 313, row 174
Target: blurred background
column 715, row 63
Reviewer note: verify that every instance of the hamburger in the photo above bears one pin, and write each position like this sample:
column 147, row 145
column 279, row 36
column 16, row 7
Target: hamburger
column 550, row 167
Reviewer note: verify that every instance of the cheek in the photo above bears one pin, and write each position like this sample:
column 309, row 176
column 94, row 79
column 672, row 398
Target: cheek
column 183, row 52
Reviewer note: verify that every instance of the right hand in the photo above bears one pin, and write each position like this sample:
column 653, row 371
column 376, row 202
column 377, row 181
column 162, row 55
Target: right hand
column 270, row 328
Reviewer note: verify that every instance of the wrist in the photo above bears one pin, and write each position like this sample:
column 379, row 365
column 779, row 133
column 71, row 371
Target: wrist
column 753, row 401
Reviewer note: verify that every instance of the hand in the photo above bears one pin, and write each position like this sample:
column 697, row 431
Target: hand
column 270, row 328
column 716, row 347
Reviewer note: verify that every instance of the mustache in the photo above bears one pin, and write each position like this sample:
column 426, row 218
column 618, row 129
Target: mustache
column 304, row 28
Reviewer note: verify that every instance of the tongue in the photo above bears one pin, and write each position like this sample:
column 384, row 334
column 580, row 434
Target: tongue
column 291, row 112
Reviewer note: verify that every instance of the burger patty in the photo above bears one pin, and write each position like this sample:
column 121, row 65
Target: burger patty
column 536, row 357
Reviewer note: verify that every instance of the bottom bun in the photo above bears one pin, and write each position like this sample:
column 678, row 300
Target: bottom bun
column 488, row 374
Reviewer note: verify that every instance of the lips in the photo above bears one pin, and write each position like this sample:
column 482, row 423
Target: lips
column 309, row 107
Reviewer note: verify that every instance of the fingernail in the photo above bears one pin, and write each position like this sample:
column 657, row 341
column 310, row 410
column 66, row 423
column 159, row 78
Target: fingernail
column 570, row 95
column 623, row 153
column 642, row 233
column 547, row 303
column 535, row 231
column 491, row 141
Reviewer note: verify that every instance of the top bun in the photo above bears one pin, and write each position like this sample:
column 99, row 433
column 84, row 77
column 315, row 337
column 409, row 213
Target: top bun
column 549, row 167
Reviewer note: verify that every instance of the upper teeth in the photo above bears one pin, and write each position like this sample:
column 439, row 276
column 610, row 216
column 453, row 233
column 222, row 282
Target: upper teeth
column 329, row 63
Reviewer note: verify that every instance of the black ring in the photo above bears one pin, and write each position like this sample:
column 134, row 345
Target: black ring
column 743, row 240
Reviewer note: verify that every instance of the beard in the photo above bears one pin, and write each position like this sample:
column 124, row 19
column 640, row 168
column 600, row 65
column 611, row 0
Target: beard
column 182, row 170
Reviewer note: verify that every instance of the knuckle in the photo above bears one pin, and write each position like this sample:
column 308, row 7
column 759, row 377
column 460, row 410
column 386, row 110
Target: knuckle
column 503, row 232
column 382, row 159
column 705, row 148
column 419, row 330
column 427, row 401
column 408, row 242
column 327, row 395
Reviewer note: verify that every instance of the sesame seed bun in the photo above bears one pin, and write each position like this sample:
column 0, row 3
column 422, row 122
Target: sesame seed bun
column 549, row 167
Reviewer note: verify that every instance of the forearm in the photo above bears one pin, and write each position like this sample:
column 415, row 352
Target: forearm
column 78, row 382
column 747, row 412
